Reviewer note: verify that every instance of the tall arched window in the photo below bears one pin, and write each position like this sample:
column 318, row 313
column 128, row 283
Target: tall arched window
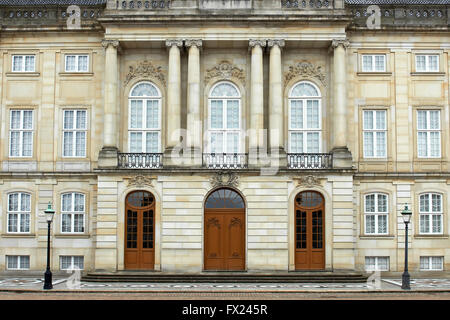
column 224, row 132
column 305, row 129
column 144, row 125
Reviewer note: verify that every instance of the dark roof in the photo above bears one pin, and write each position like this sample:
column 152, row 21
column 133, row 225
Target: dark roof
column 419, row 2
column 50, row 2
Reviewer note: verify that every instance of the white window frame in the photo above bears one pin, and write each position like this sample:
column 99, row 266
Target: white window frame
column 375, row 131
column 224, row 130
column 373, row 58
column 72, row 262
column 428, row 131
column 19, row 262
column 377, row 213
column 77, row 63
column 431, row 213
column 74, row 131
column 72, row 213
column 427, row 62
column 143, row 129
column 21, row 130
column 19, row 213
column 377, row 263
column 304, row 130
column 23, row 64
column 430, row 263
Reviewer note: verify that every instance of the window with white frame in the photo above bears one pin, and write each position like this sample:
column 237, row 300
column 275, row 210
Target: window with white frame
column 144, row 125
column 377, row 264
column 77, row 63
column 17, row 262
column 373, row 63
column 23, row 63
column 374, row 133
column 74, row 133
column 224, row 134
column 430, row 213
column 376, row 213
column 428, row 133
column 73, row 212
column 71, row 262
column 431, row 263
column 19, row 212
column 21, row 133
column 427, row 63
column 305, row 119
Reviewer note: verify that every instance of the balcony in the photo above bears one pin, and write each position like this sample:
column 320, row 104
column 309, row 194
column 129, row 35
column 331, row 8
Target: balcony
column 140, row 160
column 311, row 161
column 225, row 160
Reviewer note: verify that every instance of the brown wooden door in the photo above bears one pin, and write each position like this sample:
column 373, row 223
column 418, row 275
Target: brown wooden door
column 309, row 231
column 139, row 231
column 224, row 231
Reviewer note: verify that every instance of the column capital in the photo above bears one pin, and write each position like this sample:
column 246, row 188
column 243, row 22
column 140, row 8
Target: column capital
column 193, row 43
column 257, row 42
column 174, row 42
column 337, row 42
column 275, row 42
column 113, row 43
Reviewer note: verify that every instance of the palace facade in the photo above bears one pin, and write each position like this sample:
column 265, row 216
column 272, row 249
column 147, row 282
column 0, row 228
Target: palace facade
column 252, row 135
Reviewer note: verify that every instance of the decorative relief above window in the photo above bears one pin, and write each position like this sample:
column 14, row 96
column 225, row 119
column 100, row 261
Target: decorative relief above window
column 305, row 70
column 145, row 69
column 225, row 70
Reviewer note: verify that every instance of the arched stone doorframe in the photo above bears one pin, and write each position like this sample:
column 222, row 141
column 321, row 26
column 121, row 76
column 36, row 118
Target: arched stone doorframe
column 121, row 226
column 326, row 193
column 245, row 216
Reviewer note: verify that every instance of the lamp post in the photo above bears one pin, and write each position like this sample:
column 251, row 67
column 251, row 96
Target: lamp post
column 406, row 215
column 49, row 213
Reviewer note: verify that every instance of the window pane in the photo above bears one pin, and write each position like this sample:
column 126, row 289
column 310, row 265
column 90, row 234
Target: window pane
column 15, row 144
column 380, row 116
column 436, row 203
column 81, row 119
column 80, row 144
column 312, row 141
column 421, row 120
column 381, row 144
column 78, row 222
column 27, row 144
column 434, row 119
column 67, row 202
column 83, row 63
column 144, row 90
column 224, row 90
column 25, row 202
column 17, row 63
column 382, row 223
column 382, row 203
column 370, row 203
column 12, row 222
column 296, row 142
column 232, row 142
column 370, row 223
column 420, row 63
column 152, row 142
column 424, row 223
column 367, row 63
column 424, row 263
column 15, row 119
column 28, row 119
column 68, row 119
column 437, row 262
column 25, row 222
column 13, row 202
column 216, row 114
column 79, row 202
column 24, row 262
column 136, row 114
column 12, row 262
column 304, row 89
column 296, row 114
column 312, row 114
column 152, row 114
column 435, row 144
column 216, row 142
column 424, row 203
column 70, row 63
column 368, row 144
column 136, row 142
column 379, row 63
column 437, row 223
column 368, row 120
column 422, row 144
column 66, row 222
column 29, row 63
column 233, row 114
column 433, row 63
column 68, row 144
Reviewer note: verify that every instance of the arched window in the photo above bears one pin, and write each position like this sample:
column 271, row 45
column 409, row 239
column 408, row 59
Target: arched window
column 224, row 119
column 305, row 129
column 72, row 212
column 376, row 213
column 144, row 125
column 19, row 212
column 224, row 199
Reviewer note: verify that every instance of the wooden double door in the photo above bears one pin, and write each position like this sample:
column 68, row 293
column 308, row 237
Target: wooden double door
column 309, row 231
column 140, row 231
column 224, row 231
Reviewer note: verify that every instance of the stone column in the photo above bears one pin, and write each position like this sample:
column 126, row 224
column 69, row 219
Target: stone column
column 173, row 98
column 276, row 133
column 256, row 100
column 194, row 129
column 108, row 154
column 342, row 157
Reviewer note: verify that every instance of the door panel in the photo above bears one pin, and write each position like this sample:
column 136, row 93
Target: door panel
column 214, row 249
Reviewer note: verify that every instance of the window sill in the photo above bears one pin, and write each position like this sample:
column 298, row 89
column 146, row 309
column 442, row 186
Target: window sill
column 18, row 235
column 377, row 236
column 75, row 74
column 431, row 73
column 72, row 235
column 374, row 73
column 431, row 236
column 23, row 74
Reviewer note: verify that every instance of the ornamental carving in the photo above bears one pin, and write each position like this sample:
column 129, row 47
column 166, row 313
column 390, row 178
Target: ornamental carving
column 213, row 222
column 235, row 222
column 140, row 181
column 305, row 70
column 225, row 70
column 225, row 179
column 145, row 69
column 308, row 181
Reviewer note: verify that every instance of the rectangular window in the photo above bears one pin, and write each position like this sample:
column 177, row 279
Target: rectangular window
column 23, row 63
column 304, row 126
column 431, row 263
column 19, row 212
column 17, row 262
column 373, row 63
column 71, row 262
column 430, row 213
column 74, row 133
column 427, row 63
column 224, row 133
column 428, row 134
column 144, row 126
column 73, row 211
column 377, row 263
column 374, row 133
column 77, row 63
column 21, row 133
column 376, row 213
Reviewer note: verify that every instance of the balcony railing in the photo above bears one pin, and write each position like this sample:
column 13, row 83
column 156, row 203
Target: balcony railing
column 225, row 160
column 140, row 160
column 310, row 160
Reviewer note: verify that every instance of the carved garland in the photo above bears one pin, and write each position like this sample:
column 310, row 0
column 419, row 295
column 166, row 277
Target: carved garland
column 306, row 70
column 145, row 69
column 308, row 181
column 218, row 180
column 225, row 70
column 140, row 181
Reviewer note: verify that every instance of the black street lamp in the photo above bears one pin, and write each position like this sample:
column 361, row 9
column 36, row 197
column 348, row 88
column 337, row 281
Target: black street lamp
column 49, row 213
column 406, row 215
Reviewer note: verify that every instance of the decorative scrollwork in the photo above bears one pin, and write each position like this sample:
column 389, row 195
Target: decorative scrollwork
column 306, row 70
column 218, row 180
column 140, row 181
column 213, row 222
column 225, row 70
column 145, row 69
column 308, row 181
column 234, row 222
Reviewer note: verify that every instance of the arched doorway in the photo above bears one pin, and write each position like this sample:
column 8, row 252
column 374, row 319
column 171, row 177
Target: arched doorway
column 224, row 237
column 309, row 231
column 139, row 231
